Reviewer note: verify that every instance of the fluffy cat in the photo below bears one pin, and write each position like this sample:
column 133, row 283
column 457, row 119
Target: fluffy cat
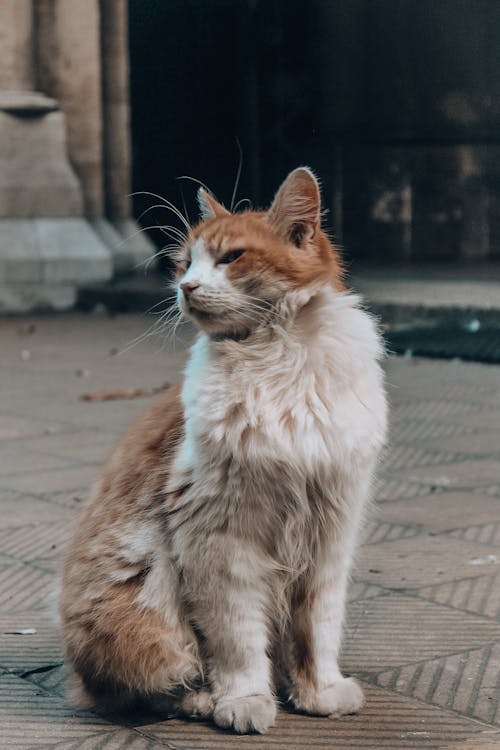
column 212, row 559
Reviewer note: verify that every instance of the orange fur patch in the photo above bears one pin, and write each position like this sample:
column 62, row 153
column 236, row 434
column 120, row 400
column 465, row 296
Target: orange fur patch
column 266, row 252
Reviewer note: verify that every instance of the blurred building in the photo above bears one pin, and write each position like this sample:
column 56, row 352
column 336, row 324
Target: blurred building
column 64, row 150
column 394, row 103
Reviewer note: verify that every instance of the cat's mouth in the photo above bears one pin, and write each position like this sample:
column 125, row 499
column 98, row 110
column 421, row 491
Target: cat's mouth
column 200, row 313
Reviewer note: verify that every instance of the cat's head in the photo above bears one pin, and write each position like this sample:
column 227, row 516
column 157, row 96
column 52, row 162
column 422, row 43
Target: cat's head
column 235, row 269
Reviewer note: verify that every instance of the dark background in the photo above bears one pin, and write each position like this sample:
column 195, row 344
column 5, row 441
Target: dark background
column 394, row 103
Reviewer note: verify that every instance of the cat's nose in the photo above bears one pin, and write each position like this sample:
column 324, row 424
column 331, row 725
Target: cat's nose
column 188, row 287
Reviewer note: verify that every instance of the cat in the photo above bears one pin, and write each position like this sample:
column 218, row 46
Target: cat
column 211, row 562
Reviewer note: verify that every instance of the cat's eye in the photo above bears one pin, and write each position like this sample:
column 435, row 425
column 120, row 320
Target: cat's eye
column 231, row 256
column 188, row 263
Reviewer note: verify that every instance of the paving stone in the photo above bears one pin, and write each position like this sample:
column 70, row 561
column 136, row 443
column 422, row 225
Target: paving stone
column 424, row 615
column 116, row 740
column 467, row 682
column 442, row 511
column 51, row 679
column 21, row 653
column 433, row 409
column 15, row 461
column 417, row 432
column 381, row 531
column 486, row 533
column 420, row 561
column 84, row 446
column 23, row 427
column 30, row 717
column 399, row 456
column 396, row 629
column 18, row 509
column 478, row 443
column 55, row 480
column 388, row 489
column 463, row 474
column 387, row 721
column 24, row 588
column 362, row 590
column 480, row 595
column 481, row 420
column 40, row 543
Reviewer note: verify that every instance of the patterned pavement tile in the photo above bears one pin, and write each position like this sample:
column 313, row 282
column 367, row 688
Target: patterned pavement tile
column 381, row 531
column 485, row 533
column 23, row 427
column 51, row 678
column 468, row 682
column 420, row 561
column 54, row 480
column 18, row 509
column 40, row 543
column 480, row 595
column 389, row 631
column 479, row 443
column 362, row 590
column 433, row 409
column 444, row 511
column 15, row 461
column 115, row 740
column 464, row 474
column 29, row 716
column 388, row 489
column 387, row 720
column 23, row 653
column 419, row 431
column 84, row 446
column 24, row 588
column 480, row 420
column 401, row 456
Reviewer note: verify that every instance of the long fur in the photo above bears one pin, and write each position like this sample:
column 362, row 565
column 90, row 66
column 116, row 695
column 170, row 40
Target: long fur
column 212, row 560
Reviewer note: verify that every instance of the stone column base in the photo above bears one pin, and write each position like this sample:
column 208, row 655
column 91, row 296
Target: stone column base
column 44, row 261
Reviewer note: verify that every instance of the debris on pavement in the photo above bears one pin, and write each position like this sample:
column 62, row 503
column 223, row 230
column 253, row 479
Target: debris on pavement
column 123, row 393
column 23, row 631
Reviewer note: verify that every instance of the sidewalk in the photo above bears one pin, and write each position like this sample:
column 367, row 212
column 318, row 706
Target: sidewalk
column 423, row 632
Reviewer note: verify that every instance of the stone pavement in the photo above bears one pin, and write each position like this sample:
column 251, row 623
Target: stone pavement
column 423, row 631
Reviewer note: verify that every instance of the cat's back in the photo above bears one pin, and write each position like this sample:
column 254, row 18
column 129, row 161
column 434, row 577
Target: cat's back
column 132, row 480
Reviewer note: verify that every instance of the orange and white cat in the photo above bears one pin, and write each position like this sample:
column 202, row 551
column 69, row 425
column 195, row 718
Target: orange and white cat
column 212, row 560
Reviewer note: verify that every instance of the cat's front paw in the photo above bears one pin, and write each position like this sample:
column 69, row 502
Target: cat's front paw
column 251, row 713
column 341, row 697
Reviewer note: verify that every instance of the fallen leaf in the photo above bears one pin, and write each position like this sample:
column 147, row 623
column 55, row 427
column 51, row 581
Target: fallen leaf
column 123, row 393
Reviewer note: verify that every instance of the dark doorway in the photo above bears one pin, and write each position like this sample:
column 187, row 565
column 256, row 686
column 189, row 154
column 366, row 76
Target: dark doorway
column 395, row 105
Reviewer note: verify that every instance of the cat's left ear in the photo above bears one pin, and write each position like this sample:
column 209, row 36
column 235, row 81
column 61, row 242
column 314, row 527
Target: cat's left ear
column 296, row 210
column 209, row 207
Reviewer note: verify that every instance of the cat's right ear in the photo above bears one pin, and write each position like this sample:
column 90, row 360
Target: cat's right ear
column 209, row 207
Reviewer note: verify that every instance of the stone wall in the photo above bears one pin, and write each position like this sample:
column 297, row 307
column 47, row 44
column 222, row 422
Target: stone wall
column 64, row 151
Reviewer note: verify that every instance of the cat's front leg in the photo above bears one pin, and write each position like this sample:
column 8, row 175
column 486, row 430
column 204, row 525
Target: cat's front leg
column 229, row 597
column 318, row 608
column 318, row 684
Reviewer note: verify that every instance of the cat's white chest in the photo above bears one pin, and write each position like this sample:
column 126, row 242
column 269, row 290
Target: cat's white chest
column 316, row 404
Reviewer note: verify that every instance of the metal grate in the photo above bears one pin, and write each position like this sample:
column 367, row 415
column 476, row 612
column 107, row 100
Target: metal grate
column 446, row 342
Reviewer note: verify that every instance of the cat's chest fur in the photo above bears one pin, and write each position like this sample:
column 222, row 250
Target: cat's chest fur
column 310, row 398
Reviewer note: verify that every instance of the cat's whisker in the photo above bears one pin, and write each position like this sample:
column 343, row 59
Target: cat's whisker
column 242, row 200
column 198, row 182
column 238, row 175
column 167, row 204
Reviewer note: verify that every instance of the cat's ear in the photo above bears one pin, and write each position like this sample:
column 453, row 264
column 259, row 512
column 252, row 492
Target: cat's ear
column 296, row 210
column 209, row 207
